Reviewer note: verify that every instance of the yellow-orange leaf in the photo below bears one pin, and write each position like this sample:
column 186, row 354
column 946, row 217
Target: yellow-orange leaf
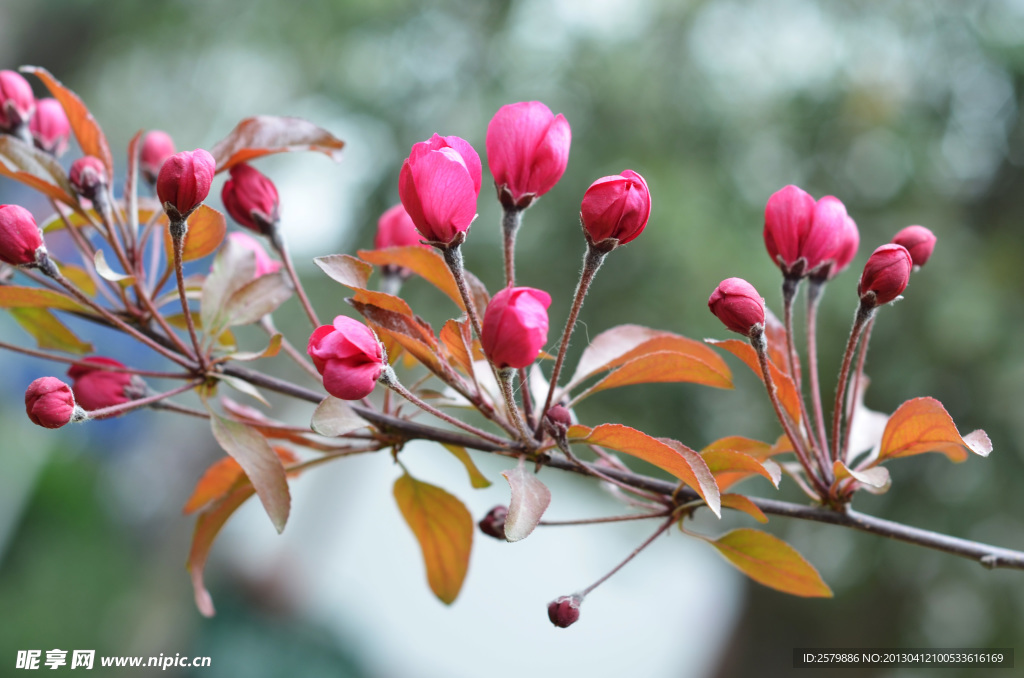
column 454, row 343
column 34, row 168
column 740, row 503
column 208, row 525
column 425, row 263
column 662, row 367
column 346, row 269
column 755, row 448
column 788, row 395
column 225, row 475
column 206, row 230
column 923, row 425
column 770, row 561
column 876, row 479
column 16, row 296
column 729, row 467
column 48, row 331
column 444, row 528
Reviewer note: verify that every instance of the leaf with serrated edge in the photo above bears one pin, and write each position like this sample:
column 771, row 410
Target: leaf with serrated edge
column 476, row 478
column 772, row 562
column 661, row 367
column 345, row 269
column 530, row 498
column 334, row 417
column 444, row 529
column 738, row 502
column 267, row 134
column 877, row 477
column 261, row 465
column 788, row 395
column 729, row 467
column 923, row 425
column 425, row 263
column 49, row 331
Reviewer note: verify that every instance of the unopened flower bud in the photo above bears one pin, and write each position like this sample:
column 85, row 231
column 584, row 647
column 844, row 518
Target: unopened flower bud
column 184, row 182
column 738, row 305
column 493, row 524
column 439, row 185
column 157, row 146
column 251, row 199
column 264, row 264
column 803, row 236
column 20, row 238
column 50, row 127
column 88, row 177
column 16, row 100
column 885, row 275
column 919, row 241
column 563, row 612
column 559, row 419
column 96, row 388
column 50, row 403
column 349, row 357
column 615, row 209
column 527, row 152
column 515, row 326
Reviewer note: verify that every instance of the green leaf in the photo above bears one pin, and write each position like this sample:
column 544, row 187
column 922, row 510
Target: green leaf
column 444, row 528
column 476, row 478
column 772, row 562
column 49, row 332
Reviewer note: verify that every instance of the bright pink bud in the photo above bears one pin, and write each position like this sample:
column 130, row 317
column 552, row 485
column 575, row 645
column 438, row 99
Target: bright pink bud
column 395, row 229
column 565, row 611
column 849, row 242
column 527, row 151
column 349, row 357
column 49, row 402
column 16, row 100
column 184, row 180
column 919, row 241
column 885, row 275
column 824, row 238
column 516, row 326
column 787, row 219
column 96, row 388
column 19, row 236
column 251, row 198
column 264, row 263
column 439, row 184
column 616, row 207
column 738, row 305
column 50, row 127
column 157, row 146
column 493, row 524
column 803, row 236
column 88, row 175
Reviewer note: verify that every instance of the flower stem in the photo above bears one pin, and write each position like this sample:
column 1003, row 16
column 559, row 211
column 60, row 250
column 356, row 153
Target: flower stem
column 650, row 540
column 864, row 314
column 790, row 288
column 505, row 378
column 599, row 521
column 278, row 243
column 814, row 291
column 179, row 230
column 511, row 220
column 453, row 257
column 858, row 378
column 117, row 410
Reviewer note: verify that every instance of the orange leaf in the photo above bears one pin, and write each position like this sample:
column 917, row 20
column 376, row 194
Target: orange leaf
column 788, row 395
column 770, row 561
column 738, row 502
column 775, row 335
column 923, row 425
column 425, row 263
column 729, row 467
column 223, row 476
column 444, row 528
column 16, row 296
column 397, row 322
column 668, row 455
column 34, row 168
column 87, row 130
column 208, row 525
column 453, row 342
column 876, row 479
column 266, row 134
column 661, row 367
column 345, row 269
column 206, row 230
column 754, row 448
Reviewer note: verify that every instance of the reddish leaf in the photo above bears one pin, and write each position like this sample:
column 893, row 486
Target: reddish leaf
column 770, row 561
column 444, row 528
column 876, row 478
column 425, row 263
column 208, row 525
column 87, row 130
column 15, row 296
column 267, row 134
column 923, row 425
column 530, row 499
column 453, row 342
column 729, row 467
column 34, row 168
column 668, row 455
column 206, row 230
column 788, row 395
column 345, row 269
column 740, row 503
column 49, row 332
column 661, row 367
column 411, row 333
column 476, row 479
column 223, row 476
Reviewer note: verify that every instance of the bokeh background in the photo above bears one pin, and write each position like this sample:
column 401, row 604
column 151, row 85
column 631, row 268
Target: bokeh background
column 907, row 111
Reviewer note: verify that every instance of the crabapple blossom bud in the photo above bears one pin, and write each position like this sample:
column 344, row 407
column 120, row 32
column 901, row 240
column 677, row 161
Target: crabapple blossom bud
column 50, row 127
column 787, row 219
column 885, row 275
column 560, row 417
column 616, row 208
column 88, row 176
column 804, row 237
column 919, row 241
column 824, row 237
column 50, row 403
column 264, row 264
column 20, row 237
column 565, row 611
column 184, row 182
column 515, row 326
column 493, row 524
column 527, row 151
column 349, row 357
column 251, row 199
column 439, row 185
column 849, row 242
column 157, row 146
column 16, row 100
column 738, row 305
column 395, row 229
column 96, row 388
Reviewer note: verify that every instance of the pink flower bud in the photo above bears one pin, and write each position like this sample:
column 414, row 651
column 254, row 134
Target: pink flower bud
column 849, row 242
column 515, row 326
column 20, row 238
column 824, row 238
column 349, row 357
column 885, row 275
column 919, row 241
column 50, row 127
column 787, row 219
column 616, row 208
column 565, row 611
column 439, row 184
column 560, row 417
column 184, row 180
column 527, row 151
column 251, row 198
column 264, row 264
column 16, row 100
column 49, row 402
column 395, row 229
column 88, row 175
column 803, row 236
column 96, row 388
column 493, row 524
column 738, row 305
column 157, row 146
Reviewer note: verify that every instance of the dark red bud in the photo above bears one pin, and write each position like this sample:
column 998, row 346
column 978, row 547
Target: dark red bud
column 738, row 305
column 563, row 612
column 251, row 198
column 493, row 524
column 885, row 275
column 88, row 175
